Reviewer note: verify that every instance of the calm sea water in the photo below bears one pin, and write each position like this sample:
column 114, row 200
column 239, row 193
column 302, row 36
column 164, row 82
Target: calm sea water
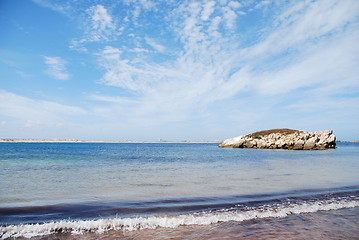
column 109, row 191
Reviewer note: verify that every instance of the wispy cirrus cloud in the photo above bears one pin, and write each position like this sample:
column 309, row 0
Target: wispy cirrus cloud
column 301, row 49
column 36, row 114
column 61, row 7
column 171, row 61
column 158, row 47
column 56, row 68
column 100, row 27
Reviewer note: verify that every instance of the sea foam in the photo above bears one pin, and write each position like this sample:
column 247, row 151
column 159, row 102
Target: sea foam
column 167, row 221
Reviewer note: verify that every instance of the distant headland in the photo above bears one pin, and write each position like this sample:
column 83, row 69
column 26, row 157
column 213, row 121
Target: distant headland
column 284, row 139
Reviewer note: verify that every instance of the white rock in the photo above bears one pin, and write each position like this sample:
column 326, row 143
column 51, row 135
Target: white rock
column 298, row 140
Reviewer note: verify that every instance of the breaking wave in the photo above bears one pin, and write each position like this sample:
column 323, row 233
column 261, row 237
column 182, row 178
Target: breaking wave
column 236, row 213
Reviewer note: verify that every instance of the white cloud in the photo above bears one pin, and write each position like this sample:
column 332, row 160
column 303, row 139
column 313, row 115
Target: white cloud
column 139, row 6
column 207, row 11
column 112, row 99
column 102, row 26
column 234, row 4
column 56, row 68
column 146, row 4
column 308, row 21
column 58, row 7
column 136, row 12
column 119, row 72
column 263, row 3
column 319, row 65
column 36, row 113
column 101, row 21
column 230, row 17
column 145, row 50
column 23, row 74
column 303, row 49
column 155, row 45
column 213, row 67
column 99, row 27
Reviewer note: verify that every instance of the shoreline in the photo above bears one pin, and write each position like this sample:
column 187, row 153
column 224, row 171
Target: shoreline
column 94, row 141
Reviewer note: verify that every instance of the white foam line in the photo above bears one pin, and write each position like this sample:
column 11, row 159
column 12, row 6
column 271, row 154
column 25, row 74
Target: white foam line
column 131, row 224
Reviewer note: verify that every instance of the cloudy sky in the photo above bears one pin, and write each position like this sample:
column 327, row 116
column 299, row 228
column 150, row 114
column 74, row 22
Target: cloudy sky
column 177, row 70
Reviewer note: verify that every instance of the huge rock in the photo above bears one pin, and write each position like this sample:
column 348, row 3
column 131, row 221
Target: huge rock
column 284, row 139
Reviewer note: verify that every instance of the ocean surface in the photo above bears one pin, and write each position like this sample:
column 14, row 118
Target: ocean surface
column 177, row 191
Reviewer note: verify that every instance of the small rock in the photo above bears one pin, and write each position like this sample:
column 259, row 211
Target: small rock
column 284, row 139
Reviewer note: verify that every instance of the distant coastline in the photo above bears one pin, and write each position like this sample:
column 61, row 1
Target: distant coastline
column 95, row 141
column 21, row 140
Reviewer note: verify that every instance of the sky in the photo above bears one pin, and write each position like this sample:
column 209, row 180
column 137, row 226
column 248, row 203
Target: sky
column 177, row 70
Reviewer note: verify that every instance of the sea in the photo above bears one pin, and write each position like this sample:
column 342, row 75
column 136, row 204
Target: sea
column 177, row 191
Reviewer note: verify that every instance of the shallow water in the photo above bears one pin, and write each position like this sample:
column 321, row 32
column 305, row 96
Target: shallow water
column 90, row 182
column 50, row 173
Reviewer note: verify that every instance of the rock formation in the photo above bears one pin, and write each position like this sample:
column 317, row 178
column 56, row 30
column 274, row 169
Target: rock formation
column 284, row 139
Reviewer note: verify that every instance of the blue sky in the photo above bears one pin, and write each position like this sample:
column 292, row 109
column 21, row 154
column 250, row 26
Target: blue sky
column 177, row 70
